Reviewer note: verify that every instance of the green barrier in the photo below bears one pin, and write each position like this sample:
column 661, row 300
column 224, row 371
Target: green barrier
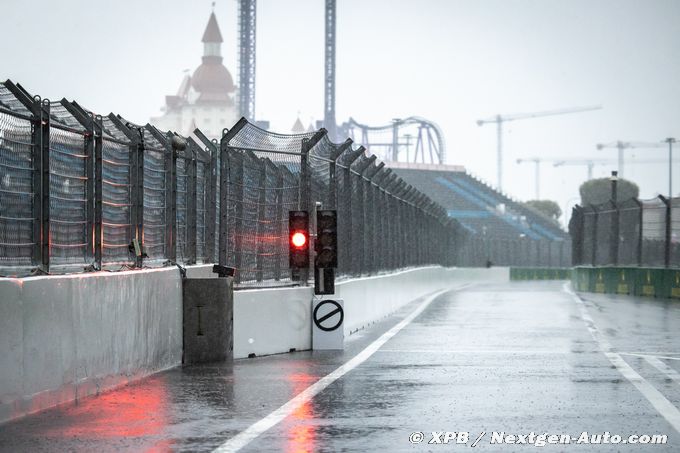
column 540, row 273
column 634, row 281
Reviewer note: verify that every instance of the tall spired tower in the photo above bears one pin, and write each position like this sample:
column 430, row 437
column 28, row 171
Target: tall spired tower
column 205, row 99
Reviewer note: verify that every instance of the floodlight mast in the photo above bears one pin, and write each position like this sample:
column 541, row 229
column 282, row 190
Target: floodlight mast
column 500, row 119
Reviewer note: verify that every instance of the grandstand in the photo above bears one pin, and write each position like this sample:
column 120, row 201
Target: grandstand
column 482, row 211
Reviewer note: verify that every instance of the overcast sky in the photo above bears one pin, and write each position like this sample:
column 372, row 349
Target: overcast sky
column 450, row 61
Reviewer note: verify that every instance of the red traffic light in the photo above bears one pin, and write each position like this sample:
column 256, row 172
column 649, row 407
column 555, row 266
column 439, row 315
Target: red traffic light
column 298, row 239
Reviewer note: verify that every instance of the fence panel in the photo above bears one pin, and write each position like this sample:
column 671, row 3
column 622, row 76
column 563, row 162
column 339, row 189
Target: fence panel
column 182, row 208
column 112, row 183
column 606, row 215
column 653, row 232
column 70, row 162
column 590, row 228
column 202, row 207
column 155, row 200
column 629, row 233
column 118, row 227
column 675, row 233
column 18, row 213
column 246, row 147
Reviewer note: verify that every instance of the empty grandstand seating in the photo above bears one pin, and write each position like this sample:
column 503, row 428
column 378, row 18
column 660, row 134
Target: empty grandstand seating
column 478, row 207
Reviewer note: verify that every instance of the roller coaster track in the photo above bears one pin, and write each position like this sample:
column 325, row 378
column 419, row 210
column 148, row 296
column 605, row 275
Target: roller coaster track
column 428, row 137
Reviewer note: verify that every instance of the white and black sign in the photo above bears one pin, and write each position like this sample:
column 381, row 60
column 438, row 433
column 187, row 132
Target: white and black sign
column 328, row 315
column 327, row 329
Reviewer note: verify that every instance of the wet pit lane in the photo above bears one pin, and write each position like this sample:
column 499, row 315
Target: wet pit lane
column 514, row 358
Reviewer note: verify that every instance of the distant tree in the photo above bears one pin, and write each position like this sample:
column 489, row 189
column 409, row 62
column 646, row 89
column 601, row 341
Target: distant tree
column 599, row 191
column 548, row 207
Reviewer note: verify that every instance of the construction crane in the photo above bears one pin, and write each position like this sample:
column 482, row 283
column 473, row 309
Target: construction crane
column 329, row 120
column 537, row 172
column 590, row 163
column 500, row 119
column 247, row 22
column 621, row 146
column 559, row 162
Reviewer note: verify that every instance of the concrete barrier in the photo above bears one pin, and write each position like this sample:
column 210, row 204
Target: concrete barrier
column 272, row 321
column 65, row 337
column 634, row 281
column 540, row 273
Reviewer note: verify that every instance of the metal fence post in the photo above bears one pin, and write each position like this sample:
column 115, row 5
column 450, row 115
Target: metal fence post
column 44, row 147
column 593, row 254
column 667, row 232
column 138, row 193
column 98, row 192
column 638, row 254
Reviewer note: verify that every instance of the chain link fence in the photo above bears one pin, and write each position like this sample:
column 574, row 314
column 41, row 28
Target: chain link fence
column 475, row 250
column 629, row 233
column 383, row 224
column 82, row 192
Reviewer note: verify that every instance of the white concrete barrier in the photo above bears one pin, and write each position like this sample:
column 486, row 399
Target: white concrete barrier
column 272, row 321
column 65, row 337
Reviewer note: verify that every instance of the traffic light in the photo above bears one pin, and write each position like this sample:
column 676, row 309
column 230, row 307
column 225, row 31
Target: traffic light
column 326, row 245
column 298, row 239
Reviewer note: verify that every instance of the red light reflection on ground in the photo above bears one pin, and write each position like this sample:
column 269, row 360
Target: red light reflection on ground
column 133, row 411
column 301, row 429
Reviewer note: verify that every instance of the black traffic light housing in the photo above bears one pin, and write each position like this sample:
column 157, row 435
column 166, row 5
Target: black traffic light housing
column 326, row 245
column 298, row 239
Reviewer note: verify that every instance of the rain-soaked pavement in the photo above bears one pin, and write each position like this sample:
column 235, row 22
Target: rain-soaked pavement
column 516, row 358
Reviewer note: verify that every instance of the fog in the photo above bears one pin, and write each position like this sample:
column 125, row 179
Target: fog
column 452, row 62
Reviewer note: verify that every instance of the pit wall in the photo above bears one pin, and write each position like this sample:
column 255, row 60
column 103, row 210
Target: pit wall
column 634, row 281
column 66, row 337
column 272, row 321
column 540, row 273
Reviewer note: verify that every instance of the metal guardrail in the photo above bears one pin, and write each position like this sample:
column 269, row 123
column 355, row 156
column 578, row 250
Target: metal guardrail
column 630, row 233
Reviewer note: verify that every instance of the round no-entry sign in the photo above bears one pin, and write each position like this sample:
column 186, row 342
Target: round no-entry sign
column 328, row 315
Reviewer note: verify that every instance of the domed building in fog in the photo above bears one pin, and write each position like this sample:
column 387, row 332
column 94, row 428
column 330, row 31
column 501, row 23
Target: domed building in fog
column 205, row 99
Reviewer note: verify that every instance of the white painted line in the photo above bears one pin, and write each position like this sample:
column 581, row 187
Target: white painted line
column 256, row 429
column 655, row 398
column 468, row 351
column 665, row 369
column 650, row 355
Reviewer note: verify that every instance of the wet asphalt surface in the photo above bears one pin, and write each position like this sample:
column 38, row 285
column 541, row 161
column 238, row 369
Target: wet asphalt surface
column 513, row 357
